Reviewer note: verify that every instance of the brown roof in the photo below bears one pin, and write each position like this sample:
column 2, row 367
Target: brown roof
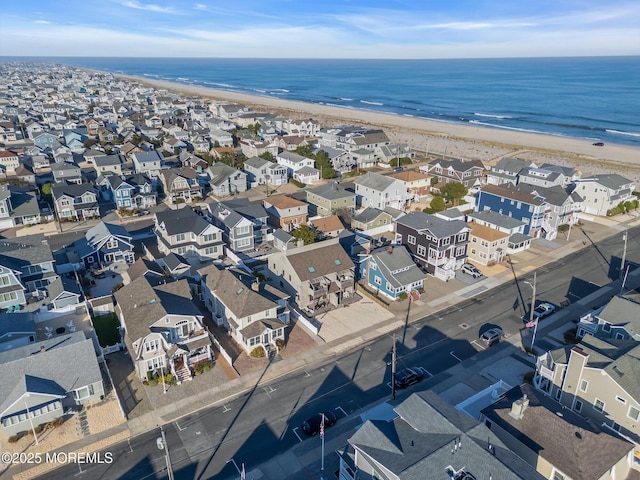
column 319, row 261
column 7, row 154
column 513, row 194
column 331, row 223
column 486, row 233
column 283, row 202
column 572, row 444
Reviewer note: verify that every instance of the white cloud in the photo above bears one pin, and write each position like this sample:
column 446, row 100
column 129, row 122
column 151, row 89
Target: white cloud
column 200, row 6
column 42, row 22
column 149, row 7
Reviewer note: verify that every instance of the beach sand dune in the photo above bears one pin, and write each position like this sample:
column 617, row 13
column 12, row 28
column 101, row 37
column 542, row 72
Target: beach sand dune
column 437, row 138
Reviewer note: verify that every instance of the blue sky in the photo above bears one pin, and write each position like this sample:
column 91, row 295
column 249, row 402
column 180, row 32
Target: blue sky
column 320, row 28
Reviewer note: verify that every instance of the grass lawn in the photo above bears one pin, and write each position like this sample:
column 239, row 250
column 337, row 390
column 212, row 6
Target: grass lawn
column 107, row 329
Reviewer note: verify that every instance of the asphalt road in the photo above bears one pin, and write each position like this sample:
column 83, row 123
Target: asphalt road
column 264, row 422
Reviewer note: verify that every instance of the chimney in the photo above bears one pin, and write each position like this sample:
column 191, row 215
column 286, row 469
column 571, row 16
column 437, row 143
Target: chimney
column 42, row 349
column 518, row 407
column 255, row 286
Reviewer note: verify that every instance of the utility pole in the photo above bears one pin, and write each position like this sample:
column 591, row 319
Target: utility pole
column 624, row 254
column 393, row 368
column 533, row 305
column 162, row 445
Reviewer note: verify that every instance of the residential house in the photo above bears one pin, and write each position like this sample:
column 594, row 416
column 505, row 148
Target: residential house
column 237, row 231
column 173, row 145
column 255, row 212
column 558, row 443
column 16, row 330
column 517, row 242
column 225, row 180
column 597, row 379
column 7, row 132
column 9, row 161
column 186, row 233
column 109, row 164
column 417, row 183
column 372, row 218
column 317, row 275
column 40, row 382
column 391, row 272
column 528, row 208
column 364, row 158
column 329, row 226
column 379, row 191
column 283, row 241
column 221, row 137
column 91, row 154
column 330, row 198
column 149, row 163
column 487, row 245
column 66, row 172
column 75, row 202
column 176, row 266
column 286, row 212
column 438, row 245
column 261, row 171
column 46, row 140
column 307, row 175
column 429, row 439
column 570, row 174
column 618, row 319
column 290, row 142
column 254, row 148
column 181, row 185
column 601, row 193
column 392, row 152
column 194, row 162
column 470, row 173
column 255, row 314
column 18, row 206
column 541, row 177
column 25, row 174
column 340, row 161
column 294, row 162
column 507, row 171
column 353, row 138
column 131, row 191
column 104, row 244
column 163, row 329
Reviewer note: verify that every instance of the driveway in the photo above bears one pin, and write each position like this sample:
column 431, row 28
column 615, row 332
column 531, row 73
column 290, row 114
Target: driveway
column 350, row 319
column 129, row 388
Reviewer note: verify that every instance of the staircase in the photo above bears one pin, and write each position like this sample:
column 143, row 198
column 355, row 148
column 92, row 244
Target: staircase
column 183, row 374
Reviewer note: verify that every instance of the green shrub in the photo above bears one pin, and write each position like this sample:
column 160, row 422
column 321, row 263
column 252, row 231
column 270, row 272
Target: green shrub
column 152, row 382
column 403, row 296
column 296, row 183
column 14, row 438
column 280, row 343
column 257, row 352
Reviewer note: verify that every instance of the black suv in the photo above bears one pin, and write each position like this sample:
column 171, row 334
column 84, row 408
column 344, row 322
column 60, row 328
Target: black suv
column 408, row 376
column 311, row 425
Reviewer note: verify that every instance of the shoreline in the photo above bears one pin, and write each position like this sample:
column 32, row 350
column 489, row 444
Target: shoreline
column 468, row 142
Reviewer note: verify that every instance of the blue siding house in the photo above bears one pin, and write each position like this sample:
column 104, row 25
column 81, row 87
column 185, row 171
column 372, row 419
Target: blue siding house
column 391, row 271
column 105, row 244
column 132, row 191
column 526, row 207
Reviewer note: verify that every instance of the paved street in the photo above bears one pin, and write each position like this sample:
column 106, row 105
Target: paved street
column 261, row 424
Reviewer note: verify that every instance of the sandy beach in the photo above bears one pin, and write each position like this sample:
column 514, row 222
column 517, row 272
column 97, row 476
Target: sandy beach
column 461, row 141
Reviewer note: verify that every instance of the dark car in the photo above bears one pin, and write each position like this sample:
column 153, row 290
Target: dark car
column 408, row 376
column 598, row 144
column 311, row 425
column 398, row 169
column 492, row 336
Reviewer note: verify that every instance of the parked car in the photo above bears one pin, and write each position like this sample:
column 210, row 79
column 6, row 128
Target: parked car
column 408, row 376
column 541, row 311
column 598, row 144
column 311, row 426
column 398, row 169
column 492, row 336
column 471, row 270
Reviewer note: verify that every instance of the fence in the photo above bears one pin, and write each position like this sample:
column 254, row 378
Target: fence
column 222, row 351
column 312, row 324
column 372, row 296
column 112, row 348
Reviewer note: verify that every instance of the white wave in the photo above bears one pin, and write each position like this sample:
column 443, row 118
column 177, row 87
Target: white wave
column 281, row 90
column 407, row 115
column 225, row 85
column 488, row 115
column 371, row 103
column 618, row 132
column 259, row 90
column 150, row 75
column 527, row 130
column 346, row 99
column 182, row 78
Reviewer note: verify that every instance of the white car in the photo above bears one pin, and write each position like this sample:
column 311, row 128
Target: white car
column 471, row 270
column 541, row 311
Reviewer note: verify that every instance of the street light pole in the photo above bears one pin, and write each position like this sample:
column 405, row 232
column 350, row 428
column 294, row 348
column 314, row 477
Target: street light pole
column 167, row 458
column 393, row 369
column 624, row 254
column 533, row 305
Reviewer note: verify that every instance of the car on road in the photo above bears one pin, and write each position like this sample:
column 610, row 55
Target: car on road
column 492, row 336
column 311, row 426
column 541, row 311
column 408, row 376
column 471, row 270
column 598, row 144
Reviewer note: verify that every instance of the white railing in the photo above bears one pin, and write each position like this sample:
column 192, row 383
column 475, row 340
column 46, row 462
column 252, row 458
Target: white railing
column 197, row 358
column 112, row 348
column 222, row 351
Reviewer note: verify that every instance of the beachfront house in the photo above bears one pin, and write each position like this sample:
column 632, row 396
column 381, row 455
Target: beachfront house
column 470, row 173
column 507, row 171
column 600, row 193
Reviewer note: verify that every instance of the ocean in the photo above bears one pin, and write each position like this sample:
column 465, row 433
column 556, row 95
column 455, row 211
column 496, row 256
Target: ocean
column 594, row 98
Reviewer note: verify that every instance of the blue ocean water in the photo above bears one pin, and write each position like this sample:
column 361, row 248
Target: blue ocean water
column 597, row 98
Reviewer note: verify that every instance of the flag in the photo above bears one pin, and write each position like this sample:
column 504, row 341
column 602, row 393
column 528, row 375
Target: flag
column 322, row 427
column 532, row 323
column 242, row 473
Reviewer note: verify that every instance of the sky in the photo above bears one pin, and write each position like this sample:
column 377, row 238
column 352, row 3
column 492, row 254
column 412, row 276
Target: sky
column 320, row 28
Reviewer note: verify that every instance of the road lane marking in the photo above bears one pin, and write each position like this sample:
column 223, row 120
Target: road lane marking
column 475, row 342
column 179, row 428
column 342, row 410
column 226, row 409
column 454, row 356
column 295, row 431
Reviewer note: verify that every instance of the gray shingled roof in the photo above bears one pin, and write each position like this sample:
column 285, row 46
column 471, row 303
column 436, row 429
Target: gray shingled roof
column 622, row 311
column 330, row 191
column 495, row 218
column 438, row 227
column 182, row 220
column 367, row 215
column 375, row 181
column 611, row 180
column 319, row 261
column 418, row 444
column 397, row 259
column 69, row 362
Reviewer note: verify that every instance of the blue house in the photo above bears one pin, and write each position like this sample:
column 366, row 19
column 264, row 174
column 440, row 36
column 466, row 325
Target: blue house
column 391, row 271
column 105, row 244
column 526, row 207
column 131, row 191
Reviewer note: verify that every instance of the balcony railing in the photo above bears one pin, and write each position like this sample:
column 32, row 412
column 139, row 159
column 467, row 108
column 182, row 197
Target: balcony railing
column 318, row 291
column 545, row 366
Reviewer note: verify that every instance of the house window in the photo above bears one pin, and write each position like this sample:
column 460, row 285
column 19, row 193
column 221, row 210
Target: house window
column 113, row 243
column 390, row 287
column 578, row 406
column 583, row 385
column 599, row 405
column 377, row 280
column 411, row 239
column 620, row 399
column 84, row 392
column 180, row 237
column 633, row 413
column 422, row 251
column 558, row 475
column 606, row 327
column 209, row 238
